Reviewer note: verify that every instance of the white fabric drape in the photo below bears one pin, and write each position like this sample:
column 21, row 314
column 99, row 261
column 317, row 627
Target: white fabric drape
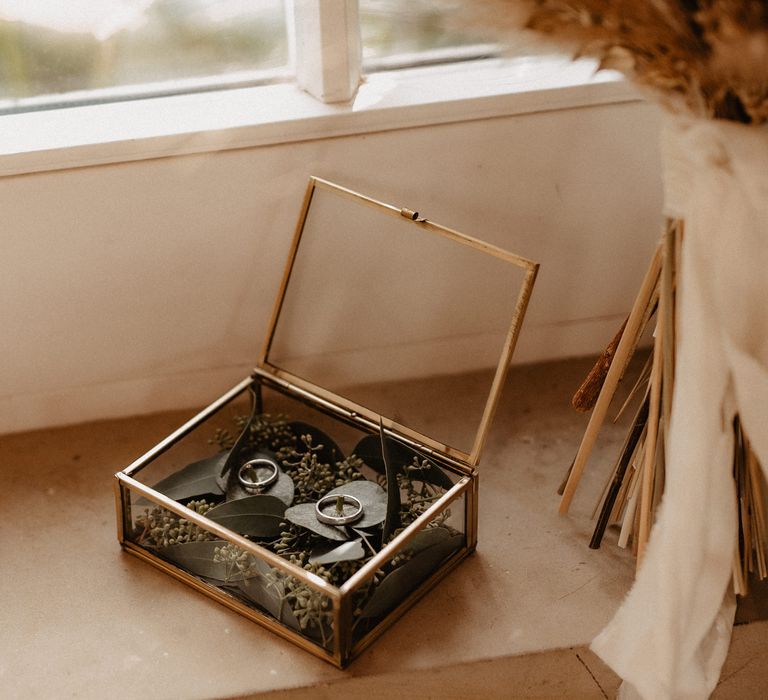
column 670, row 637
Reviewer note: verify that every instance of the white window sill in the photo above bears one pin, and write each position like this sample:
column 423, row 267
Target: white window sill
column 249, row 117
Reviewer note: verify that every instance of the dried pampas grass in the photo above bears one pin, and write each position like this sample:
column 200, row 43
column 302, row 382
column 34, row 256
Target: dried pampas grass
column 708, row 57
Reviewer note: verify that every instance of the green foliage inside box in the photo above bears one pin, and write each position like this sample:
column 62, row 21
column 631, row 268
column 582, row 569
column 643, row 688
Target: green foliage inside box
column 392, row 483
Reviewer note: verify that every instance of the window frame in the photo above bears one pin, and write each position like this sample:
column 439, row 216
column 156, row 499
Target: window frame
column 330, row 98
column 279, row 114
column 325, row 62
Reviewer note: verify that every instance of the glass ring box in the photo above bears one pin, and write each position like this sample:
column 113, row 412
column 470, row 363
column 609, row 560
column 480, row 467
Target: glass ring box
column 330, row 489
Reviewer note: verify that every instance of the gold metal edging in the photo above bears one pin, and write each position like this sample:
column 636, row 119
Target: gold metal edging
column 427, row 224
column 337, row 642
column 371, row 567
column 344, row 632
column 469, row 461
column 470, row 513
column 343, row 650
column 186, row 428
column 297, row 233
column 409, row 601
column 362, row 417
column 504, row 362
column 355, row 196
column 274, row 560
column 237, row 606
column 120, row 508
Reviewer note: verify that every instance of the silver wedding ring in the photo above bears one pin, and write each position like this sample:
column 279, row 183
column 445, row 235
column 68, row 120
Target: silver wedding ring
column 251, row 474
column 334, row 517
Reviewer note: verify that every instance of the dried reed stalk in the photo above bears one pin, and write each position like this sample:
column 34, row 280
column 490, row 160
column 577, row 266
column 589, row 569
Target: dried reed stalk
column 667, row 303
column 629, row 514
column 635, row 486
column 649, row 469
column 623, row 351
column 642, row 380
column 752, row 522
column 758, row 512
column 586, row 395
column 630, row 445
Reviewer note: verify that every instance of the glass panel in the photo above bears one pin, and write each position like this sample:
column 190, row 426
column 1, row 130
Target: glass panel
column 55, row 48
column 415, row 30
column 316, row 458
column 435, row 544
column 396, row 317
column 296, row 604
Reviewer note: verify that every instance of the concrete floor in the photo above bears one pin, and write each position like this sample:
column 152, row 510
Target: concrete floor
column 82, row 619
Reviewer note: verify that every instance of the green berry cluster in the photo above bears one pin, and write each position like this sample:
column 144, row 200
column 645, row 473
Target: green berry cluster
column 348, row 470
column 312, row 608
column 160, row 527
column 295, row 544
column 237, row 561
column 401, row 558
column 418, row 495
column 272, row 432
column 312, row 478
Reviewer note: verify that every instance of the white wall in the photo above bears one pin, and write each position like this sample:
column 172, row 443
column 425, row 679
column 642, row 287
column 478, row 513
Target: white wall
column 147, row 285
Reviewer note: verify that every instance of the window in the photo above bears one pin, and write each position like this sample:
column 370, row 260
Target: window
column 83, row 51
column 401, row 33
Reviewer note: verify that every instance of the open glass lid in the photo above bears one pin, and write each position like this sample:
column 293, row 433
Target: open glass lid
column 398, row 319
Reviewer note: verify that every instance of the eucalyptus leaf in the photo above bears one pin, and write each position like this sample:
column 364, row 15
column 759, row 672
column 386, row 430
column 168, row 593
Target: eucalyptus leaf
column 283, row 489
column 424, row 539
column 269, row 594
column 369, row 450
column 304, row 515
column 253, row 516
column 198, row 558
column 196, row 479
column 402, row 456
column 372, row 497
column 330, row 452
column 371, row 538
column 373, row 514
column 397, row 585
column 367, row 492
column 330, row 553
column 431, row 473
column 221, row 476
column 392, row 514
column 241, row 443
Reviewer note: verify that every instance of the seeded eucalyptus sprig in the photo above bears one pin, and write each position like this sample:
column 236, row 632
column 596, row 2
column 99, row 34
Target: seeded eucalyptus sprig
column 313, row 478
column 294, row 544
column 312, row 609
column 237, row 561
column 160, row 527
column 272, row 432
column 417, row 494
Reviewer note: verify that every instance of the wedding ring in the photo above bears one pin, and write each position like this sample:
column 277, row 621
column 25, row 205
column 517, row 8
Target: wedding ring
column 336, row 518
column 250, row 474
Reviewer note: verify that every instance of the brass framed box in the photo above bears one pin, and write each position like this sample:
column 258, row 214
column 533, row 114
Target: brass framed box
column 372, row 296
